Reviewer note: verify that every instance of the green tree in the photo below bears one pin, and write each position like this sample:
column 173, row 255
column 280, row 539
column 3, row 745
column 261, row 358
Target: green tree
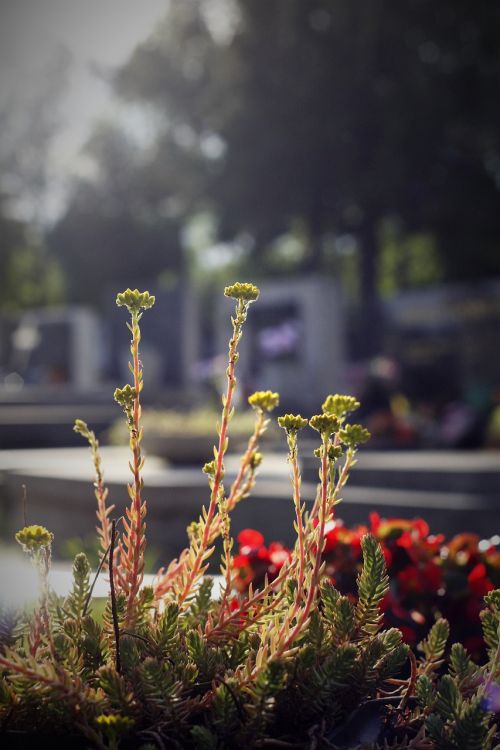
column 331, row 116
column 118, row 228
column 29, row 275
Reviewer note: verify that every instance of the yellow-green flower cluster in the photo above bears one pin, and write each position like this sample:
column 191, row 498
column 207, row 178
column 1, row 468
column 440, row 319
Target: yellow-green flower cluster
column 339, row 406
column 255, row 460
column 209, row 468
column 325, row 424
column 115, row 723
column 334, row 452
column 34, row 538
column 134, row 300
column 264, row 400
column 125, row 396
column 242, row 291
column 354, row 434
column 81, row 427
column 292, row 423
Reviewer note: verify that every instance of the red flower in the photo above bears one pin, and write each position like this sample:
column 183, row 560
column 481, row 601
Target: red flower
column 420, row 579
column 250, row 538
column 409, row 635
column 374, row 523
column 278, row 555
column 387, row 556
column 478, row 581
column 244, row 573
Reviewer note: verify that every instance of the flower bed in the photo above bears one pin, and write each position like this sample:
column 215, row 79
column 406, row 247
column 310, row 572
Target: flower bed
column 429, row 576
column 293, row 664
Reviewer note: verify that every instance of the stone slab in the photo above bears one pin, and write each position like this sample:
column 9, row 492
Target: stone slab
column 60, row 495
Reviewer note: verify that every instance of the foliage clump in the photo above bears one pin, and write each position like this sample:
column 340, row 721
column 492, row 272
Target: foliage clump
column 280, row 666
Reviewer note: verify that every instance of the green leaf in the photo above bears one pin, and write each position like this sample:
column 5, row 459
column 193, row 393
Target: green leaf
column 115, row 689
column 435, row 728
column 434, row 645
column 471, row 728
column 203, row 739
column 424, row 691
column 343, row 619
column 76, row 600
column 448, row 699
column 329, row 598
column 462, row 668
column 372, row 585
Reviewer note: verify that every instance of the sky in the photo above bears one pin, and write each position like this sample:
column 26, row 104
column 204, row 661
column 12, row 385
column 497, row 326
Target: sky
column 95, row 36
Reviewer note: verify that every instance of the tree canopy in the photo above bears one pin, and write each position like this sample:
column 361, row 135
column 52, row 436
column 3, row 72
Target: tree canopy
column 331, row 115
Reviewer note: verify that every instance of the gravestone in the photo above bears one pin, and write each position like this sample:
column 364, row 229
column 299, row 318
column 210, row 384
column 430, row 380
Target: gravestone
column 56, row 347
column 293, row 342
column 445, row 337
column 169, row 339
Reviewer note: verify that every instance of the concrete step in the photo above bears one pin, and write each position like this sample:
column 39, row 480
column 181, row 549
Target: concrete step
column 466, row 472
column 60, row 496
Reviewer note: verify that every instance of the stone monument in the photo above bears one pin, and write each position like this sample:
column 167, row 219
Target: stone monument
column 294, row 341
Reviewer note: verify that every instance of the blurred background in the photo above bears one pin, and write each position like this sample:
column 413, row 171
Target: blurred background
column 344, row 156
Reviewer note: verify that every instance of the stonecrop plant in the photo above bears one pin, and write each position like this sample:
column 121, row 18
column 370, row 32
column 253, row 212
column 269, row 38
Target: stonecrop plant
column 280, row 666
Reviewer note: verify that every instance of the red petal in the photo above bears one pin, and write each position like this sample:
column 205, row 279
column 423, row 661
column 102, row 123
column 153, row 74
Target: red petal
column 250, row 537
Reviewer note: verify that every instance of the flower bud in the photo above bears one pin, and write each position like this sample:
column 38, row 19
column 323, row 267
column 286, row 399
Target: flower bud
column 264, row 400
column 242, row 291
column 34, row 538
column 292, row 423
column 338, row 406
column 134, row 300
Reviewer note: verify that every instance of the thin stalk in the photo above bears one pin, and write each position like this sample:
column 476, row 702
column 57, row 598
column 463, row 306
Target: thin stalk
column 114, row 610
column 132, row 549
column 283, row 645
column 253, row 601
column 43, row 566
column 300, row 545
column 227, row 547
column 102, row 562
column 297, row 501
column 200, row 556
column 241, row 487
column 245, row 463
column 100, row 490
column 411, row 680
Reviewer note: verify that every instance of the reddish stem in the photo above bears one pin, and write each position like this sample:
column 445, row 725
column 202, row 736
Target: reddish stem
column 135, row 547
column 311, row 594
column 195, row 571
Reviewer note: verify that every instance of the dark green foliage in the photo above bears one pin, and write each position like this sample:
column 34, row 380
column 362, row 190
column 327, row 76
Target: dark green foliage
column 92, row 644
column 179, row 686
column 343, row 619
column 200, row 605
column 458, row 724
column 205, row 657
column 329, row 598
column 115, row 688
column 372, row 585
column 8, row 621
column 463, row 670
column 395, row 654
column 157, row 689
column 424, row 692
column 434, row 645
column 490, row 622
column 203, row 739
column 471, row 728
column 455, row 706
column 75, row 603
column 448, row 698
column 164, row 634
